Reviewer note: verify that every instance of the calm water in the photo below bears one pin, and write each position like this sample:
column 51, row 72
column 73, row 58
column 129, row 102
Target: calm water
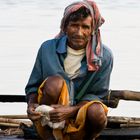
column 25, row 24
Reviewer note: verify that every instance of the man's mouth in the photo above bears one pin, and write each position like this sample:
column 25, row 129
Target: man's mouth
column 77, row 39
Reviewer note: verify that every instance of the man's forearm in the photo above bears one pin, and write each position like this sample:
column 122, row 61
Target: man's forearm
column 32, row 98
column 77, row 107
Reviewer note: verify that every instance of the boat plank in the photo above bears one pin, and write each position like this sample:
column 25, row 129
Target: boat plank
column 15, row 137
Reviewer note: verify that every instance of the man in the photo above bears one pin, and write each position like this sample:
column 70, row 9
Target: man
column 71, row 74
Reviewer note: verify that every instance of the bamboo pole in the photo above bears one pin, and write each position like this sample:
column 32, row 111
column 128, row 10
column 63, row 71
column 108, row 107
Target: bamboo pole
column 125, row 95
column 9, row 124
column 14, row 116
column 113, row 97
column 123, row 120
column 7, row 120
column 15, row 121
column 130, row 125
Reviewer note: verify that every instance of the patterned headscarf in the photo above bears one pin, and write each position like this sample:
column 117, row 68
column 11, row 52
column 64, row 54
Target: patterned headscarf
column 94, row 50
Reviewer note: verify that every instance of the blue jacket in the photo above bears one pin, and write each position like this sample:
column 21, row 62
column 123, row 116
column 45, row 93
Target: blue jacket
column 49, row 62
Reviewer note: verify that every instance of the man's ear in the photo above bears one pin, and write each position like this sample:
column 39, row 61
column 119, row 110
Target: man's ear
column 65, row 28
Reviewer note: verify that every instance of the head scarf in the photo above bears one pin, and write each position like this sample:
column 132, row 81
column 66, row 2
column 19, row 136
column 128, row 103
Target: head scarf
column 94, row 51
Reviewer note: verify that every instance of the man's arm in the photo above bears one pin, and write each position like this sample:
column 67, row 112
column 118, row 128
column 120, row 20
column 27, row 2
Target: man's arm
column 31, row 88
column 35, row 79
column 32, row 98
column 61, row 112
column 31, row 106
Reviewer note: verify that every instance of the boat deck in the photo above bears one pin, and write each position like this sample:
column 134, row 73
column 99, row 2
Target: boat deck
column 107, row 134
column 118, row 128
column 15, row 137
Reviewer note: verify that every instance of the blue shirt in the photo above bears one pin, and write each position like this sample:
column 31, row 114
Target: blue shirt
column 87, row 86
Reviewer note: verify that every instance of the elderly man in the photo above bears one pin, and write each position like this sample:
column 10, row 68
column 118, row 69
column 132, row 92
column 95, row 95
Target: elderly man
column 71, row 74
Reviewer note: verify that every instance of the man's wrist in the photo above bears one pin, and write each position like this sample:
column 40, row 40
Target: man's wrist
column 77, row 107
column 74, row 110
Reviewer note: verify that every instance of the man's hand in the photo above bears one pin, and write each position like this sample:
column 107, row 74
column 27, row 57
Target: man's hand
column 61, row 113
column 32, row 114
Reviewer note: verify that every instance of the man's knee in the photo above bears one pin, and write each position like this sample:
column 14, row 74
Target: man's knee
column 52, row 89
column 53, row 84
column 96, row 116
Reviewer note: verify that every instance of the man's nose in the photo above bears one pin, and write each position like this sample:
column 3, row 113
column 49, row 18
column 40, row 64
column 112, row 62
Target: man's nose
column 79, row 31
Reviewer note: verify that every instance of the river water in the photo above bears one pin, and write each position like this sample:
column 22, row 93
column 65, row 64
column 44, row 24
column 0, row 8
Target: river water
column 25, row 24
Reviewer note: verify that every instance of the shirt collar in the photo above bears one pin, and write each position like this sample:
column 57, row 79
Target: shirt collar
column 62, row 45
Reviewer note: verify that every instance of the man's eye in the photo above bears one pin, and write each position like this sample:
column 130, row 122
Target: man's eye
column 74, row 25
column 86, row 27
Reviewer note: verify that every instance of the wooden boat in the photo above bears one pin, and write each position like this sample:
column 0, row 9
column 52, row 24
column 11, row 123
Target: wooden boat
column 125, row 128
column 15, row 127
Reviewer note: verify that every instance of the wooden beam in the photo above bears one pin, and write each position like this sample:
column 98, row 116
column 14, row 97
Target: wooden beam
column 14, row 116
column 122, row 133
column 122, row 120
column 113, row 97
column 12, row 98
column 111, row 100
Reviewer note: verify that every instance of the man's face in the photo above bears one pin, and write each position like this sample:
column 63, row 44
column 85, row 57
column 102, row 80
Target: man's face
column 79, row 32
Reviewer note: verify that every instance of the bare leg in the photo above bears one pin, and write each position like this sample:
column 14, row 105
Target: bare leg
column 45, row 132
column 96, row 121
column 51, row 92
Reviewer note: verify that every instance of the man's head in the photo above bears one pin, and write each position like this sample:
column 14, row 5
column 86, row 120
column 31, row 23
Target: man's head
column 80, row 14
column 80, row 20
column 78, row 28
